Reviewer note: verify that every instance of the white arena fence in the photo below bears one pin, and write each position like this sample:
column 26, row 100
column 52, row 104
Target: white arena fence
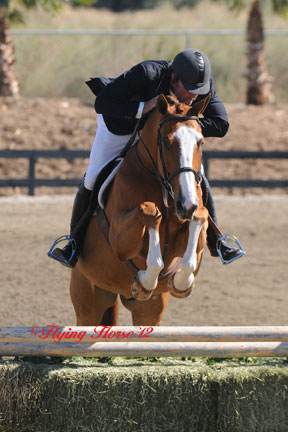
column 188, row 34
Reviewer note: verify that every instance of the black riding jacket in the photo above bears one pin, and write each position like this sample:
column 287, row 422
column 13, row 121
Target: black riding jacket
column 118, row 99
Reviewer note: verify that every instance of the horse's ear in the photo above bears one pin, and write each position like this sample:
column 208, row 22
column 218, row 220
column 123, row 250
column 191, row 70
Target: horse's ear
column 162, row 104
column 200, row 106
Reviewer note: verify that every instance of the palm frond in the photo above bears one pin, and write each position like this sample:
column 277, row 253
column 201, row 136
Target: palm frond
column 234, row 4
column 16, row 15
column 280, row 6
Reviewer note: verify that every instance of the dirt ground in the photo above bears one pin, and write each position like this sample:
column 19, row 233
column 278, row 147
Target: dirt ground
column 250, row 291
column 35, row 290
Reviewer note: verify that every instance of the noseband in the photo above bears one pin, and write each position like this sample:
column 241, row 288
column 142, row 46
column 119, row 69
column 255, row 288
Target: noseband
column 167, row 177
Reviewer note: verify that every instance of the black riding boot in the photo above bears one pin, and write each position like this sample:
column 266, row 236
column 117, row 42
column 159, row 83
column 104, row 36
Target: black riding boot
column 228, row 252
column 68, row 256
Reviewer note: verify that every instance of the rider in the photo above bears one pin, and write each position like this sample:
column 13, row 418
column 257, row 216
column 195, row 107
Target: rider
column 129, row 97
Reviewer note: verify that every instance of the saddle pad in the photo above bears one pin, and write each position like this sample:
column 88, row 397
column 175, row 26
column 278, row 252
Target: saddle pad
column 103, row 191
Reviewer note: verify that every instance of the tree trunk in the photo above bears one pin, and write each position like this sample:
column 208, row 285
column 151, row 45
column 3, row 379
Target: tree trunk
column 9, row 85
column 259, row 82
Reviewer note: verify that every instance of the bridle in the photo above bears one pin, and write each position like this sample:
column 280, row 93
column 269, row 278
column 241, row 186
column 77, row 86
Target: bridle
column 165, row 181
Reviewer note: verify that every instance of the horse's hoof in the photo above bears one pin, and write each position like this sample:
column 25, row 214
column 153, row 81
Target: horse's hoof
column 138, row 291
column 177, row 293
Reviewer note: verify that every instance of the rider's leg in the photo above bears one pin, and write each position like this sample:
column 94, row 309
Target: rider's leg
column 106, row 147
column 79, row 221
column 228, row 252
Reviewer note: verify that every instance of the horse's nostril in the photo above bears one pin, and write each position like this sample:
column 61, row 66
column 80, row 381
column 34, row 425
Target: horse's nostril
column 184, row 212
column 179, row 206
column 194, row 208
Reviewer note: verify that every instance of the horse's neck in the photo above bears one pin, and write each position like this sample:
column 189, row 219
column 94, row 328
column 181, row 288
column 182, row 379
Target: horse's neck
column 149, row 136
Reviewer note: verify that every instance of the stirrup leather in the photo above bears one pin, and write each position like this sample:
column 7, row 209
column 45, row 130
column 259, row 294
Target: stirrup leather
column 230, row 238
column 59, row 240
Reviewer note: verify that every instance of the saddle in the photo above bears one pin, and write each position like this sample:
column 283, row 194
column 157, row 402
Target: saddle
column 107, row 175
column 103, row 184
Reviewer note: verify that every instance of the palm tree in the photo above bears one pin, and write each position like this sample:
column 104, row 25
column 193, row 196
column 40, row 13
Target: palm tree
column 9, row 84
column 259, row 89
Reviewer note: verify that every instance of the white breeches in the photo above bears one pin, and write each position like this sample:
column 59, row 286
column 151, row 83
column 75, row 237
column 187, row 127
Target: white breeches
column 106, row 146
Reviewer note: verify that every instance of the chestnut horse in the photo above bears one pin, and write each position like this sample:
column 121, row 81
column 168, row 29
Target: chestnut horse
column 156, row 214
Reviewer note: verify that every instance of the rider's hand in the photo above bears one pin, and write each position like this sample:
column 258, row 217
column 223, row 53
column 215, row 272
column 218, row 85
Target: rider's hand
column 149, row 105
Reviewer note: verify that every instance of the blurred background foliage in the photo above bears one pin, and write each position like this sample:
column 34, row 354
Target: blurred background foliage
column 57, row 66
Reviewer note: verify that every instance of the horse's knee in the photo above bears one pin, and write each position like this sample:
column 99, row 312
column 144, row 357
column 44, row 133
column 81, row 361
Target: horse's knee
column 149, row 214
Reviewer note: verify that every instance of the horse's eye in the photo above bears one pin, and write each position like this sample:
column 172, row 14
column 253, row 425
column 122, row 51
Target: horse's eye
column 200, row 142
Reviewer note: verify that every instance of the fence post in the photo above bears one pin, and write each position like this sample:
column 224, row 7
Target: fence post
column 188, row 39
column 32, row 161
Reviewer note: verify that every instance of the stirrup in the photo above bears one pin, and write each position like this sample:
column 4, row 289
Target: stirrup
column 59, row 240
column 229, row 237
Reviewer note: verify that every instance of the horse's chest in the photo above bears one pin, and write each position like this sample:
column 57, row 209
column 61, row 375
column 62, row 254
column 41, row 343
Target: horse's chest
column 175, row 237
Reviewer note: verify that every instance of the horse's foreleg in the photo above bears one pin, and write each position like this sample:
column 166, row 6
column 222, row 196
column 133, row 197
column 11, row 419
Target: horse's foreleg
column 146, row 280
column 184, row 278
column 126, row 238
column 181, row 284
column 128, row 228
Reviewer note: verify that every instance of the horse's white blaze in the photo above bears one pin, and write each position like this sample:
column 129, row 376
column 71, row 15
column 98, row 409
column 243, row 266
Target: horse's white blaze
column 187, row 137
column 184, row 277
column 149, row 277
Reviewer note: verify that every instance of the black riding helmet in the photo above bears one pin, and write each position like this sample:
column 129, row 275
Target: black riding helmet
column 193, row 68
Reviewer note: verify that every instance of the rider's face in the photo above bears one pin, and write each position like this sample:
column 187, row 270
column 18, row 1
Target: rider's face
column 181, row 93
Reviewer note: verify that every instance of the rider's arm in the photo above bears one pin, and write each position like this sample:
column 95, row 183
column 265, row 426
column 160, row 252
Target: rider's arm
column 215, row 122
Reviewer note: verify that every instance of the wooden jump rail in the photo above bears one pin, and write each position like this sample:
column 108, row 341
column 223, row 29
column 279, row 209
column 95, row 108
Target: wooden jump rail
column 144, row 341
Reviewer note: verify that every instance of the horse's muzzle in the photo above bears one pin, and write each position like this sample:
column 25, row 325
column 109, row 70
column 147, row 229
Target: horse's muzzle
column 183, row 211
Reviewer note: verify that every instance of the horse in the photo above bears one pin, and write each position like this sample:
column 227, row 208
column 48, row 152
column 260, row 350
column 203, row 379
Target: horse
column 157, row 224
